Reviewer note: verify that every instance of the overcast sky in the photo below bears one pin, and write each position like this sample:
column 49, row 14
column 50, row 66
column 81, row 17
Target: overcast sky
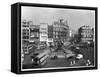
column 75, row 18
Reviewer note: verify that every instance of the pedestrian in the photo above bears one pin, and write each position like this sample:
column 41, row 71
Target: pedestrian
column 51, row 47
column 79, row 60
column 71, row 60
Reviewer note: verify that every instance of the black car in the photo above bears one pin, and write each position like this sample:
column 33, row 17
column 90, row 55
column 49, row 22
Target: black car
column 75, row 49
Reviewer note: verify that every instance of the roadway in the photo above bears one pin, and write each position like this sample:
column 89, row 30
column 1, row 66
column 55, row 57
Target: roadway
column 61, row 61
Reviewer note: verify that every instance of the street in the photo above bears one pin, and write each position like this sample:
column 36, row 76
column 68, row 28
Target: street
column 61, row 60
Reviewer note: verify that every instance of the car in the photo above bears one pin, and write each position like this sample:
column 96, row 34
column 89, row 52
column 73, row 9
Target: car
column 66, row 43
column 53, row 56
column 41, row 45
column 75, row 49
column 82, row 45
column 72, row 48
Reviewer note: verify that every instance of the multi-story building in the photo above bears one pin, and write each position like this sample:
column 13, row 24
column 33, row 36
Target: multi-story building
column 72, row 32
column 60, row 30
column 86, row 33
column 43, row 32
column 50, row 34
column 25, row 32
column 25, row 35
column 34, row 33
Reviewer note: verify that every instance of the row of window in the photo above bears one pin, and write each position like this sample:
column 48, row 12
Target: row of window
column 25, row 30
column 59, row 33
column 25, row 25
column 25, row 34
column 59, row 36
column 87, row 27
column 87, row 35
column 86, row 38
column 59, row 29
column 87, row 31
column 25, row 37
column 43, row 32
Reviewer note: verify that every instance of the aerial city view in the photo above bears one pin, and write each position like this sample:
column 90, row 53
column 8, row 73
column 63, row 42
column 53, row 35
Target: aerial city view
column 53, row 38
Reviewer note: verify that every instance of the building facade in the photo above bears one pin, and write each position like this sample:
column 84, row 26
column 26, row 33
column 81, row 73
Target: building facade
column 50, row 34
column 60, row 31
column 43, row 32
column 86, row 33
column 25, row 32
column 34, row 33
